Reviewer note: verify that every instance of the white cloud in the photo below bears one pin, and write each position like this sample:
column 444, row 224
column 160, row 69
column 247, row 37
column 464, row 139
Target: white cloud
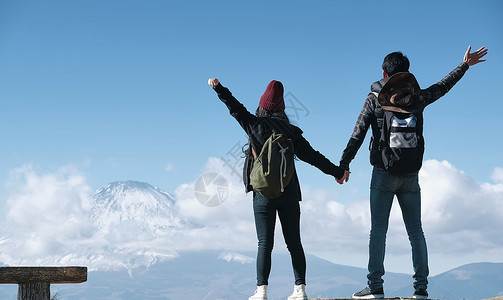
column 497, row 175
column 460, row 215
column 461, row 219
column 169, row 167
column 236, row 257
column 328, row 225
column 228, row 226
column 47, row 221
column 46, row 212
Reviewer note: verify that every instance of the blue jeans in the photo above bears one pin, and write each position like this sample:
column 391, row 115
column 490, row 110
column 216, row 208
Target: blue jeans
column 383, row 188
column 288, row 210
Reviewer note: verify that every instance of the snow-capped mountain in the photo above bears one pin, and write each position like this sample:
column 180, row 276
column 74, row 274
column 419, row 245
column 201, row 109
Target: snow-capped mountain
column 137, row 204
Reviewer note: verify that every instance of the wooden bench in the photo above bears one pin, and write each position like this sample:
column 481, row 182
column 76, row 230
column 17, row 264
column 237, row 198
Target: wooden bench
column 34, row 282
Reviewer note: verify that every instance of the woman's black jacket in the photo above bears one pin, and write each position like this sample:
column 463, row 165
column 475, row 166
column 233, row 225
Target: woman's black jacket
column 259, row 130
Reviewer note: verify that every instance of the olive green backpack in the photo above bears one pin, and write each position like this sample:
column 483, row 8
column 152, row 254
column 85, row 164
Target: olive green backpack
column 274, row 167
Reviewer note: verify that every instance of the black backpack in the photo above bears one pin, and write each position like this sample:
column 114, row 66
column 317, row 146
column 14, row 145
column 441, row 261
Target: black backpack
column 402, row 143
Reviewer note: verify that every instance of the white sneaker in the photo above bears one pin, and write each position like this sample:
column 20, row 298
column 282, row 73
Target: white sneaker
column 260, row 293
column 299, row 293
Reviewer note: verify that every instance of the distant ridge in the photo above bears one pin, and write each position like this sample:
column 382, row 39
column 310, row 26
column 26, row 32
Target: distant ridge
column 229, row 275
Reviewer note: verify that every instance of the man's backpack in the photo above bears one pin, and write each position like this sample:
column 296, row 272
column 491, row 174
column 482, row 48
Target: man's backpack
column 274, row 167
column 401, row 143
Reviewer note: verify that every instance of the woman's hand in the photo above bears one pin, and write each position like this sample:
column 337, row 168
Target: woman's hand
column 213, row 82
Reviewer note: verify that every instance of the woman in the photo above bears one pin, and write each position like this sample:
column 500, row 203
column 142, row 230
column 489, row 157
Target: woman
column 272, row 107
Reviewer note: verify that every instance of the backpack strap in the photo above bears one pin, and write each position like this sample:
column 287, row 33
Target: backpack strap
column 282, row 166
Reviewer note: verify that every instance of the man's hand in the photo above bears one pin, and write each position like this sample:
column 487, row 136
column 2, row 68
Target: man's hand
column 475, row 57
column 345, row 177
column 213, row 82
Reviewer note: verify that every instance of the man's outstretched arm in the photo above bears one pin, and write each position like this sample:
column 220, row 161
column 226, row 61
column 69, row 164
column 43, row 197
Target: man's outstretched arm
column 439, row 89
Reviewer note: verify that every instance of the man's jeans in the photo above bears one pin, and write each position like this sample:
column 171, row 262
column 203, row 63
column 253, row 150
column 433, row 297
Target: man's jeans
column 383, row 187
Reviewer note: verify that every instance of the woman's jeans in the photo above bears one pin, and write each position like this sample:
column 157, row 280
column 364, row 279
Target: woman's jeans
column 288, row 209
column 383, row 188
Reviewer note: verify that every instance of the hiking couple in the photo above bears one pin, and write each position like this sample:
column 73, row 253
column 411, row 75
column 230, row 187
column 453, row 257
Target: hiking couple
column 397, row 92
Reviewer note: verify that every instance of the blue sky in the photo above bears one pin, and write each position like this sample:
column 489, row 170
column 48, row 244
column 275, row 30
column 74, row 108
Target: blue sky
column 118, row 89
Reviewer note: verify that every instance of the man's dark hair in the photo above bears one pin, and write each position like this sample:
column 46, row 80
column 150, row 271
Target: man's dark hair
column 395, row 62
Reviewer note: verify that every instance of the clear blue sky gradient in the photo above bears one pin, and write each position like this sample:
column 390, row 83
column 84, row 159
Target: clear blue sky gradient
column 119, row 88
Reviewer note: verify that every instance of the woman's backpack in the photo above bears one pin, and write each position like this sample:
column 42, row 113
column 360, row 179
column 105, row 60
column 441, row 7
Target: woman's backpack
column 274, row 167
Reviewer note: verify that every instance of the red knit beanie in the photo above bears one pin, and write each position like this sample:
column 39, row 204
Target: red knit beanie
column 272, row 99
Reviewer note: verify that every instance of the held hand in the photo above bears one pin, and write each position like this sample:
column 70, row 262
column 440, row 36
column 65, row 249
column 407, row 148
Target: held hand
column 344, row 178
column 213, row 82
column 475, row 57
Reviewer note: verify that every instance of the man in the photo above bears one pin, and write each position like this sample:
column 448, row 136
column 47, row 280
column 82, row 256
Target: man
column 384, row 185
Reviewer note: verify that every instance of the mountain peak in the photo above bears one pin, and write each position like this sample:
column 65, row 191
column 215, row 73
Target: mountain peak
column 129, row 185
column 126, row 202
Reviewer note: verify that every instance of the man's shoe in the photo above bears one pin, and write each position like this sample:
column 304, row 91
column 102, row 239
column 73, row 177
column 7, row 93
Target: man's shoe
column 299, row 293
column 366, row 293
column 420, row 294
column 260, row 293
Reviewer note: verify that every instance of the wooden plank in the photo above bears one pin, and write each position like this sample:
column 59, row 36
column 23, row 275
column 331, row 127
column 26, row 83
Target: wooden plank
column 34, row 291
column 16, row 275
